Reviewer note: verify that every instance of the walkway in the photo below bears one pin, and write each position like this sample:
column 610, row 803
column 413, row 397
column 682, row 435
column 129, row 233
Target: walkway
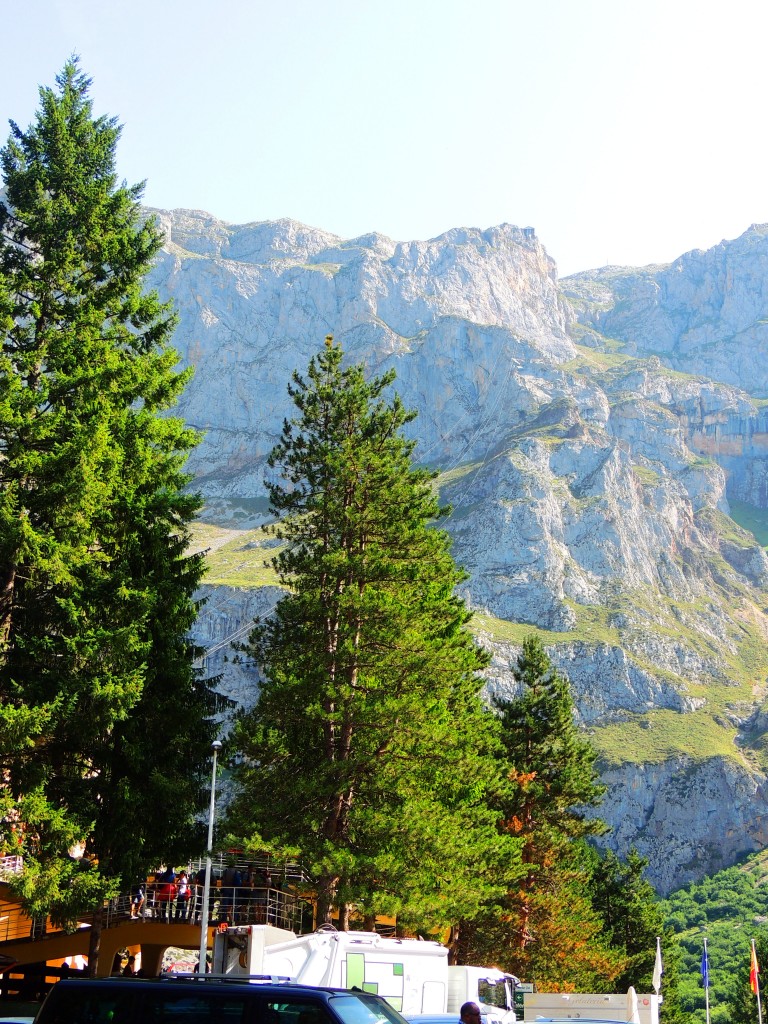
column 25, row 941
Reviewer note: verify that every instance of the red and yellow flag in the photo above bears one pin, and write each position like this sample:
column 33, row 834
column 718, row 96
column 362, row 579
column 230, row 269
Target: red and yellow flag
column 754, row 970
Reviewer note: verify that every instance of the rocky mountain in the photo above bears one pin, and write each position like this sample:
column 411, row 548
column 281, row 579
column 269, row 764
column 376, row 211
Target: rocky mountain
column 703, row 314
column 597, row 439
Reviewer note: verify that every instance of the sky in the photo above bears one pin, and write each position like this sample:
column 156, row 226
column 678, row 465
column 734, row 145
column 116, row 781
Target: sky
column 624, row 131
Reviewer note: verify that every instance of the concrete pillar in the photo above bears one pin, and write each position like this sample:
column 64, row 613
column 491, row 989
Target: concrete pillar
column 152, row 959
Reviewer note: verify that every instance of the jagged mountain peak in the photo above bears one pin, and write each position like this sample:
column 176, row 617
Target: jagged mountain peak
column 202, row 234
column 706, row 313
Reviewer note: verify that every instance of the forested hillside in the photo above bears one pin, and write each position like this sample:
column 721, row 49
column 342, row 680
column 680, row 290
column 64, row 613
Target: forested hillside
column 729, row 909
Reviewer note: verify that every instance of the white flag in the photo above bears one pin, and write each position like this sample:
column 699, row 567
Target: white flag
column 658, row 969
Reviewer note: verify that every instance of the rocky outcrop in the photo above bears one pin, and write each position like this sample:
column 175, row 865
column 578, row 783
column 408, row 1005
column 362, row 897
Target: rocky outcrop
column 588, row 665
column 690, row 818
column 590, row 479
column 457, row 316
column 225, row 619
column 706, row 313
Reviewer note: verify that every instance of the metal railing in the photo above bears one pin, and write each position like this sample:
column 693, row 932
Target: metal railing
column 230, row 904
column 12, row 865
column 241, row 904
column 291, row 872
column 15, row 924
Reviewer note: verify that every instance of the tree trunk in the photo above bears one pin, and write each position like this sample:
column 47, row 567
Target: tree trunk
column 453, row 945
column 94, row 941
column 344, row 917
column 462, row 936
column 326, row 893
column 7, row 584
column 524, row 933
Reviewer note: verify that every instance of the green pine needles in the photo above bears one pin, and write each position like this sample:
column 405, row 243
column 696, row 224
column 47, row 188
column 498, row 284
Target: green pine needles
column 102, row 717
column 370, row 750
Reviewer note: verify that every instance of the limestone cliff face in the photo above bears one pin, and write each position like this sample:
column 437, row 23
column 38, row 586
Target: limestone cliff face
column 590, row 487
column 456, row 315
column 226, row 618
column 687, row 815
column 706, row 313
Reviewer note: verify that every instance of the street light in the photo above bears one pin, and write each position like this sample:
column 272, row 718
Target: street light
column 215, row 747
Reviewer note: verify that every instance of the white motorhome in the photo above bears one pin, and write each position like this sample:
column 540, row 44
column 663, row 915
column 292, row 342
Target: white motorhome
column 411, row 974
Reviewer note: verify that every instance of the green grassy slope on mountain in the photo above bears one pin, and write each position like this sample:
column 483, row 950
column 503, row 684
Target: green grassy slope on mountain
column 656, row 736
column 590, row 359
column 236, row 558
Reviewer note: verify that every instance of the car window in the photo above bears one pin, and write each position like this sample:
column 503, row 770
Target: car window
column 194, row 1008
column 151, row 1006
column 78, row 1006
column 295, row 1011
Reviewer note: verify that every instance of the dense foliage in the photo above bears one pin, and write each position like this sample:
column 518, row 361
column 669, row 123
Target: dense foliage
column 633, row 917
column 729, row 908
column 545, row 928
column 104, row 723
column 369, row 750
column 577, row 918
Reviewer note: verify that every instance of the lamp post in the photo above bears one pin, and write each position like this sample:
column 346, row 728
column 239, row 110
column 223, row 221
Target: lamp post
column 215, row 747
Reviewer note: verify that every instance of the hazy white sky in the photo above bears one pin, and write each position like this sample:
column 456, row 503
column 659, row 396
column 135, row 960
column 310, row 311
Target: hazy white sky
column 624, row 131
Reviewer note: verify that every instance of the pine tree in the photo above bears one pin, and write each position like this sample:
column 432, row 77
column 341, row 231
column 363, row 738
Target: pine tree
column 553, row 777
column 369, row 750
column 104, row 723
column 546, row 929
column 631, row 913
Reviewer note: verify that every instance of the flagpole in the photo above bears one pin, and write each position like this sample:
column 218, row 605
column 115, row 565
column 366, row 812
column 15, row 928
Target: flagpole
column 705, row 973
column 754, row 976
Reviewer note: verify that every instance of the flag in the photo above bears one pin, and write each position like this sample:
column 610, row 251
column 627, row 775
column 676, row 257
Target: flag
column 705, row 967
column 658, row 969
column 754, row 970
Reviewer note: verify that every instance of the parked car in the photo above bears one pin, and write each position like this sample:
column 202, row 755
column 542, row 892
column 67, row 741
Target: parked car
column 200, row 999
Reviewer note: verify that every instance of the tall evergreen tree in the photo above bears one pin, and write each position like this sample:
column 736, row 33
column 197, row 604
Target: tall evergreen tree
column 631, row 913
column 547, row 930
column 553, row 777
column 104, row 723
column 369, row 749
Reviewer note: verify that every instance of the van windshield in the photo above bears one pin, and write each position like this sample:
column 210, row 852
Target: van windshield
column 354, row 1008
column 493, row 993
